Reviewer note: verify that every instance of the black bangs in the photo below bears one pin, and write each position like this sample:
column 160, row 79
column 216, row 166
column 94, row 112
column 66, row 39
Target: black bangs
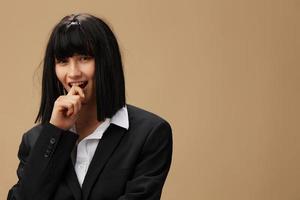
column 71, row 40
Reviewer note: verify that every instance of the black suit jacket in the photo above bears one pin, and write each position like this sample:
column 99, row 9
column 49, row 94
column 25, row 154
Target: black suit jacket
column 128, row 164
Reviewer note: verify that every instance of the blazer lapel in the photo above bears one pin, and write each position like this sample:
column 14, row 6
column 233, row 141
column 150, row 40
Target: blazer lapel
column 72, row 181
column 105, row 148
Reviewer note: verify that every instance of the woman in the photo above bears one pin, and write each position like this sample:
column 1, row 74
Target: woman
column 89, row 144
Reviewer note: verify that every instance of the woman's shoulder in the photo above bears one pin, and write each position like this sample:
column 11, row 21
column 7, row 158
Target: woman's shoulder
column 140, row 116
column 145, row 125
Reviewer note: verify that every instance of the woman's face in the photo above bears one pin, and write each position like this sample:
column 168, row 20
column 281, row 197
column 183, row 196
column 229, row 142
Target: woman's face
column 78, row 70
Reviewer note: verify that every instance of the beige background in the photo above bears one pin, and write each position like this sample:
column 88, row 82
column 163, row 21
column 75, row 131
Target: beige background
column 224, row 73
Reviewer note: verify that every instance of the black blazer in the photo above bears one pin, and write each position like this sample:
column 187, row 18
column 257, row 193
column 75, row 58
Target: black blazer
column 128, row 164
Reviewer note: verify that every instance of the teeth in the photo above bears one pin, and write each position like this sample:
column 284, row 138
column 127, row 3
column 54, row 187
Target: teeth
column 77, row 83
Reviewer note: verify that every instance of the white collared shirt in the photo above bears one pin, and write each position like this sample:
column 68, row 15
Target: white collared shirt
column 86, row 147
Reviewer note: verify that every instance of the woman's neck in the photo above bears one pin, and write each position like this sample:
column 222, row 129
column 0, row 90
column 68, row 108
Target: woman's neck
column 87, row 120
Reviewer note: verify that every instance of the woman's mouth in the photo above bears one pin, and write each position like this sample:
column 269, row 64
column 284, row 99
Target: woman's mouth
column 80, row 84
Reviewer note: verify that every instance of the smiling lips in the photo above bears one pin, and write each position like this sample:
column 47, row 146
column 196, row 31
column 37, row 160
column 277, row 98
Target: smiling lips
column 81, row 84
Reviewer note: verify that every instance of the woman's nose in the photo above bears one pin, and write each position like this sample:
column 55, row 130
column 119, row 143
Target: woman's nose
column 74, row 70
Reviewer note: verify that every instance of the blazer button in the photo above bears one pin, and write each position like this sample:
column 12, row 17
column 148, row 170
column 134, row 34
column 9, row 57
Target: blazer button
column 46, row 155
column 50, row 146
column 52, row 140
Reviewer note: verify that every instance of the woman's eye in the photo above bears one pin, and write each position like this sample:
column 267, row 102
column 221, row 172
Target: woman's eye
column 61, row 61
column 85, row 58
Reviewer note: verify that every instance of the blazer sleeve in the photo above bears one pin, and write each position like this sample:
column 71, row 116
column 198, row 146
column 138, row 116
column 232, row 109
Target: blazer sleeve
column 41, row 167
column 152, row 167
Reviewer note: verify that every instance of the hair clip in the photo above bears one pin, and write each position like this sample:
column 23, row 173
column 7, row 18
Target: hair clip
column 74, row 23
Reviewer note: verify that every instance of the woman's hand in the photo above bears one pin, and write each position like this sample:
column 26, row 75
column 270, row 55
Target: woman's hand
column 66, row 108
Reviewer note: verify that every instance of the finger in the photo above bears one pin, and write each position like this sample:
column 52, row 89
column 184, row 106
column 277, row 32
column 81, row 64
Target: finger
column 75, row 99
column 66, row 107
column 70, row 105
column 70, row 111
column 76, row 90
column 76, row 105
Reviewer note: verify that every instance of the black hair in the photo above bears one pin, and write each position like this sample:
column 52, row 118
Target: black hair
column 84, row 34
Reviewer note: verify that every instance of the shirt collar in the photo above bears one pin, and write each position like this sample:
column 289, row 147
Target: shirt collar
column 120, row 118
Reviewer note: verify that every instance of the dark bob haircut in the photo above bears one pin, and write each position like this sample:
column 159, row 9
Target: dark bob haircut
column 84, row 34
